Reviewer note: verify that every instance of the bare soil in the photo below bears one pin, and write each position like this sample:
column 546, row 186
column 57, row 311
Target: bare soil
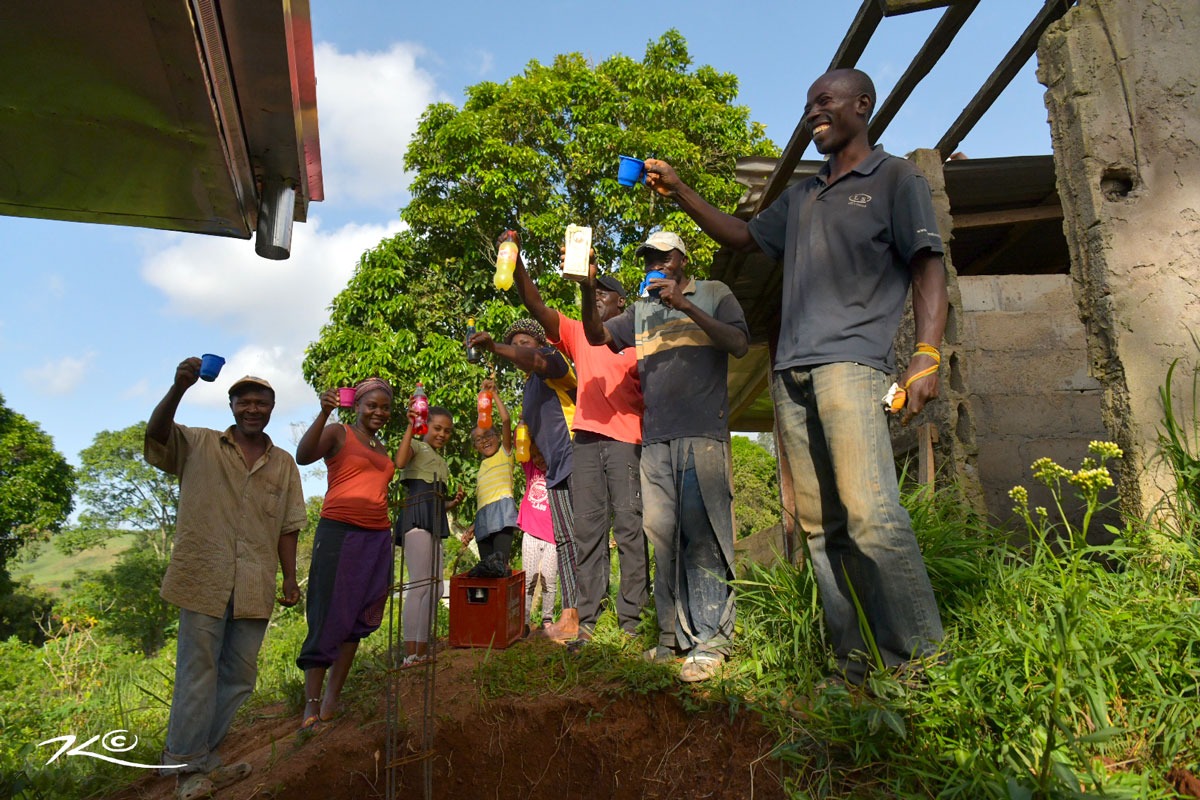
column 589, row 743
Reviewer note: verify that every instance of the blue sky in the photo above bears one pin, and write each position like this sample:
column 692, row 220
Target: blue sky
column 93, row 319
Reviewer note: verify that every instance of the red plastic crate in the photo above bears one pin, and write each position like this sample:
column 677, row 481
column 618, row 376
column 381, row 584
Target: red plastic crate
column 486, row 612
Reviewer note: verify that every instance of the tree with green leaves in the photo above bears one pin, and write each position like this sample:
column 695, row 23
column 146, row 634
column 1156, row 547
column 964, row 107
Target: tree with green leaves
column 534, row 154
column 122, row 493
column 37, row 485
column 37, row 488
column 755, row 487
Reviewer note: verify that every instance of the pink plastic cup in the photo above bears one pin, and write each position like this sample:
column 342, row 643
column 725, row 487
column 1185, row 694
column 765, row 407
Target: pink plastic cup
column 346, row 397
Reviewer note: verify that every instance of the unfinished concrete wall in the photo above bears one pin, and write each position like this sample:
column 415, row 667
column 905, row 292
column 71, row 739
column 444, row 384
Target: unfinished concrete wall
column 955, row 448
column 1122, row 81
column 1025, row 367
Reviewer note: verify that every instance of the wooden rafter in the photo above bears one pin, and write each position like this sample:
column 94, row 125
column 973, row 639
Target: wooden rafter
column 1005, row 71
column 935, row 46
column 847, row 55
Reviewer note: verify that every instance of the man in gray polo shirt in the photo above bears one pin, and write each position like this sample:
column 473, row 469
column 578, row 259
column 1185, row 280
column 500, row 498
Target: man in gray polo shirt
column 852, row 239
column 684, row 331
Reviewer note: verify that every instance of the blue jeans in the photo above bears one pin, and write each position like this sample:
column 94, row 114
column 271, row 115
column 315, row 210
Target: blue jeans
column 860, row 539
column 688, row 516
column 216, row 664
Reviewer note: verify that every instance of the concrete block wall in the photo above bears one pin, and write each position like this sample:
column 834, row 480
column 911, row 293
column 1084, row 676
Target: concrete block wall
column 1024, row 363
column 1121, row 83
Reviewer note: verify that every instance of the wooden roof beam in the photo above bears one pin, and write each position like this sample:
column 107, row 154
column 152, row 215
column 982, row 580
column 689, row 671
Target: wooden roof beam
column 930, row 53
column 1005, row 71
column 869, row 15
column 894, row 8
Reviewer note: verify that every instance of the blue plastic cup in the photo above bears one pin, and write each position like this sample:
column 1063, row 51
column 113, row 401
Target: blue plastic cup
column 210, row 367
column 644, row 290
column 631, row 171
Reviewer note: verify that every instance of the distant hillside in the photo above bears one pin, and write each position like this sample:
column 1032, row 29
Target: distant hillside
column 52, row 569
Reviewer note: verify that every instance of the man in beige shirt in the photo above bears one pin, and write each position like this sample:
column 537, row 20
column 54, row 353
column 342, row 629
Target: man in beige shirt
column 241, row 508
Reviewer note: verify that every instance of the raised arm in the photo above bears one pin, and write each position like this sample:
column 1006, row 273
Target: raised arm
column 528, row 292
column 593, row 327
column 321, row 440
column 163, row 417
column 730, row 338
column 930, row 307
column 526, row 359
column 502, row 412
column 724, row 228
column 405, row 453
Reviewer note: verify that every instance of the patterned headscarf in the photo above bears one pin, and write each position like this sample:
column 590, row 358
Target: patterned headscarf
column 527, row 326
column 369, row 385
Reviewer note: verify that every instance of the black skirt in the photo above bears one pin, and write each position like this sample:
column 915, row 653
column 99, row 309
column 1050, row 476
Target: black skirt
column 424, row 508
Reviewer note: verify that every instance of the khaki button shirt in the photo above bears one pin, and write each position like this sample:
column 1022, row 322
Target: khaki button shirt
column 229, row 522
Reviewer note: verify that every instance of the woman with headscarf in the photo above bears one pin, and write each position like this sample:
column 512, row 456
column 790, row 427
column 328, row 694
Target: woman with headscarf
column 351, row 565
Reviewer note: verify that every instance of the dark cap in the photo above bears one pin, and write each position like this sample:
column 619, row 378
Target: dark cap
column 609, row 283
column 248, row 382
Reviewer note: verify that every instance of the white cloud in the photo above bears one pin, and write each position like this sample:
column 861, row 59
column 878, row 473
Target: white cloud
column 139, row 389
column 487, row 61
column 283, row 302
column 277, row 307
column 60, row 377
column 279, row 364
column 369, row 104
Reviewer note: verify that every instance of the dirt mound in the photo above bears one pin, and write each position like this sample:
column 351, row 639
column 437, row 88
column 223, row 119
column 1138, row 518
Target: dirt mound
column 585, row 744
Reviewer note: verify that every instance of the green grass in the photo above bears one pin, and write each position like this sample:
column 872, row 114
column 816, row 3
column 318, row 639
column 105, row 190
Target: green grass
column 1073, row 670
column 51, row 569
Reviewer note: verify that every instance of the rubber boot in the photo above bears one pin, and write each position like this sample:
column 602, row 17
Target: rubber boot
column 567, row 627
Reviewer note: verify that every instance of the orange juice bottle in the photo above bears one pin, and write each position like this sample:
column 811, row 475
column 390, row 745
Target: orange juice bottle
column 483, row 404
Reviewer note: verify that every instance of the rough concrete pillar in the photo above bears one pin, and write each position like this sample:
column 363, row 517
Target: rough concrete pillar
column 1122, row 80
column 955, row 451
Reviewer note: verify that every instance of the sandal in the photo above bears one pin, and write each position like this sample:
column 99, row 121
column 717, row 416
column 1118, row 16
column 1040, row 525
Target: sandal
column 659, row 654
column 700, row 667
column 414, row 659
column 312, row 725
column 228, row 775
column 194, row 786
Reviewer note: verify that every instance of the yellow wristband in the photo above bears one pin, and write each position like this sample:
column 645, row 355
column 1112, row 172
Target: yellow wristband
column 919, row 375
column 925, row 349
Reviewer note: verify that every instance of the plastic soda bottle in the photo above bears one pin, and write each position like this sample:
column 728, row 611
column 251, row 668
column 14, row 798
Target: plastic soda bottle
column 420, row 404
column 521, row 446
column 483, row 404
column 506, row 262
column 472, row 352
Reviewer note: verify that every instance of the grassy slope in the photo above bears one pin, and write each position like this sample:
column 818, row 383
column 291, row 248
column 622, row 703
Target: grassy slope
column 51, row 569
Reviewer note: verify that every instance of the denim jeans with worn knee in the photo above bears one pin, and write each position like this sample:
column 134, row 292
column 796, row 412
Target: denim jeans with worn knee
column 216, row 664
column 688, row 517
column 860, row 538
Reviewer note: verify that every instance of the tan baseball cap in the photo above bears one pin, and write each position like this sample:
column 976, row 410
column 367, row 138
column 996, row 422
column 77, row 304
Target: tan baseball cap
column 664, row 241
column 248, row 382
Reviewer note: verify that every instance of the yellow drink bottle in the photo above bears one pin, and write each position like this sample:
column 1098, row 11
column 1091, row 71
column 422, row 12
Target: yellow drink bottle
column 506, row 262
column 522, row 444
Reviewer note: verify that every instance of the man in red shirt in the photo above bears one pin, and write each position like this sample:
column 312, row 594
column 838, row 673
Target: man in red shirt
column 605, row 480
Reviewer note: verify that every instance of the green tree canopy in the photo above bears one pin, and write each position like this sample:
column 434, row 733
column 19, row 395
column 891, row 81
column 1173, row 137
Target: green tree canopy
column 122, row 493
column 36, row 486
column 755, row 487
column 534, row 154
